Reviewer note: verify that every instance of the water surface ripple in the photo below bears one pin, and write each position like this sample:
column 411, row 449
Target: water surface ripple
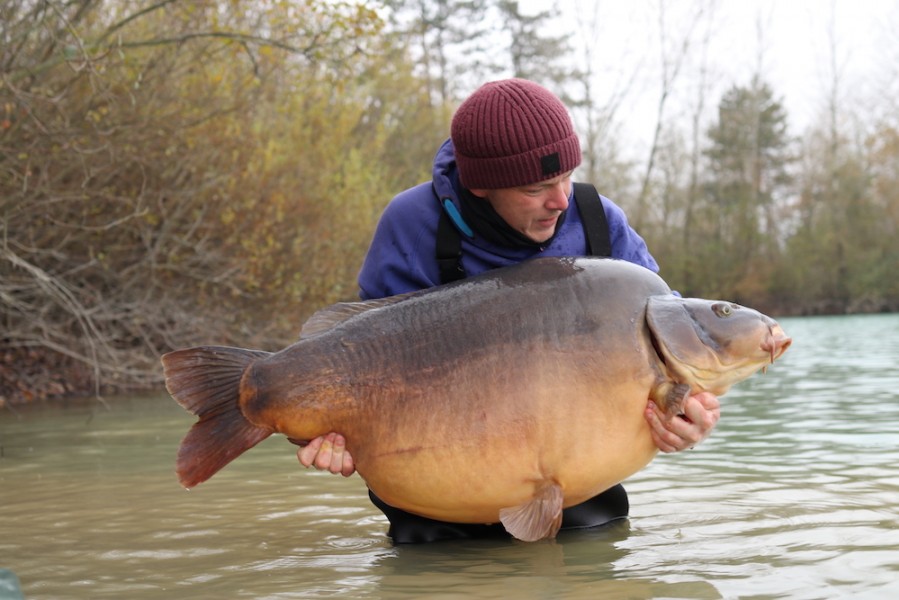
column 794, row 496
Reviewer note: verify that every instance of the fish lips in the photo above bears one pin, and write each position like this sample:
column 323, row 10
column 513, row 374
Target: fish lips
column 777, row 342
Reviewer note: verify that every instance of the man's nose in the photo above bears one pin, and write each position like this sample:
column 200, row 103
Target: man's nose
column 558, row 196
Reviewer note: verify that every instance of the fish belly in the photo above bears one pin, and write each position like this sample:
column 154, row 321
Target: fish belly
column 470, row 468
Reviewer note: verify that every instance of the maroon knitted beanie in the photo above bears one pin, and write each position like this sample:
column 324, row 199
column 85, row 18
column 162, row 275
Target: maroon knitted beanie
column 511, row 133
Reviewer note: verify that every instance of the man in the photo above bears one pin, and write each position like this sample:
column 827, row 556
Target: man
column 501, row 193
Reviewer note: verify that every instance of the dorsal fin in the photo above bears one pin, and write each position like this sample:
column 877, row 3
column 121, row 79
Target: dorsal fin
column 537, row 519
column 334, row 315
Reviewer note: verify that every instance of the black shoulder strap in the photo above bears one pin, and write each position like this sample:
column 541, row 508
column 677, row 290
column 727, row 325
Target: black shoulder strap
column 449, row 250
column 593, row 216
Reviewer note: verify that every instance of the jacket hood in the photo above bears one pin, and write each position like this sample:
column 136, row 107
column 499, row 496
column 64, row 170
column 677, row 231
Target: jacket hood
column 445, row 174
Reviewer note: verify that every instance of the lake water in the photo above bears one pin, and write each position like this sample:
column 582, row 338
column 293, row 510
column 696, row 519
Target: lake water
column 796, row 495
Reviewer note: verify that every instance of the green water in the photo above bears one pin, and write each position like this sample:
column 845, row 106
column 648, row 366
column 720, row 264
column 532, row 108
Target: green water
column 796, row 495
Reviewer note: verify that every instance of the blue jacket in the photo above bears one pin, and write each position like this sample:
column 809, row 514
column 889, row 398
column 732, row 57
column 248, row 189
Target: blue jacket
column 402, row 255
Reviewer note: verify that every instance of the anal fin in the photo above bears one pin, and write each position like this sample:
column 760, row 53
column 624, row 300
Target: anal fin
column 537, row 519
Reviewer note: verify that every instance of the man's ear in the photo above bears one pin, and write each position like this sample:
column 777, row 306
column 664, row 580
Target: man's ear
column 479, row 193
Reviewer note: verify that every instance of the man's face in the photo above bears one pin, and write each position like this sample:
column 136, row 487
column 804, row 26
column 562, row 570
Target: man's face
column 532, row 210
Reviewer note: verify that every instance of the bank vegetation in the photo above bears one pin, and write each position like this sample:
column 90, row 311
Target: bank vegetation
column 175, row 173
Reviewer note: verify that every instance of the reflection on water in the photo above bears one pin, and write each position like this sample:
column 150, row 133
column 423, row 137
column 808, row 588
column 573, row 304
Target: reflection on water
column 794, row 496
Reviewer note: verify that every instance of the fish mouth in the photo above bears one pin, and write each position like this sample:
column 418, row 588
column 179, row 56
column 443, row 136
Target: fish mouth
column 776, row 342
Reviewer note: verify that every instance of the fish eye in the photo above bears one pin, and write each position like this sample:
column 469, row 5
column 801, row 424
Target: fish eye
column 722, row 309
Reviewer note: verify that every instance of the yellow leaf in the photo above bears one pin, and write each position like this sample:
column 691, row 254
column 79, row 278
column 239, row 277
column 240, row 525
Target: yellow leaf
column 227, row 216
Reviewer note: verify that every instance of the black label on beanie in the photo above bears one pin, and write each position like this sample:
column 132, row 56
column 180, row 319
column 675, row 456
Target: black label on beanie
column 551, row 163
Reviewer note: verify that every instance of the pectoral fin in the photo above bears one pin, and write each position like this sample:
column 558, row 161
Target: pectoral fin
column 677, row 395
column 538, row 519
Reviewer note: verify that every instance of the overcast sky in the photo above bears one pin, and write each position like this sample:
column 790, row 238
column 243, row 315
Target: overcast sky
column 791, row 37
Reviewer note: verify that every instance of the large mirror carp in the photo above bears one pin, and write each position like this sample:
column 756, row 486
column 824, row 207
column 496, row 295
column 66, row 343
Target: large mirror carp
column 499, row 398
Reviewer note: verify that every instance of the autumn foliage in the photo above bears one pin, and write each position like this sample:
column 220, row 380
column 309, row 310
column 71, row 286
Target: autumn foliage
column 170, row 175
column 179, row 172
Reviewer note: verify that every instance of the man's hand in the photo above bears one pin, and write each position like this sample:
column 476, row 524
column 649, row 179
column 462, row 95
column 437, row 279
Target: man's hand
column 328, row 453
column 673, row 433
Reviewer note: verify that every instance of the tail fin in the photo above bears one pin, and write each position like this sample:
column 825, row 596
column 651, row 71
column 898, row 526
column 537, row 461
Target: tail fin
column 206, row 381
